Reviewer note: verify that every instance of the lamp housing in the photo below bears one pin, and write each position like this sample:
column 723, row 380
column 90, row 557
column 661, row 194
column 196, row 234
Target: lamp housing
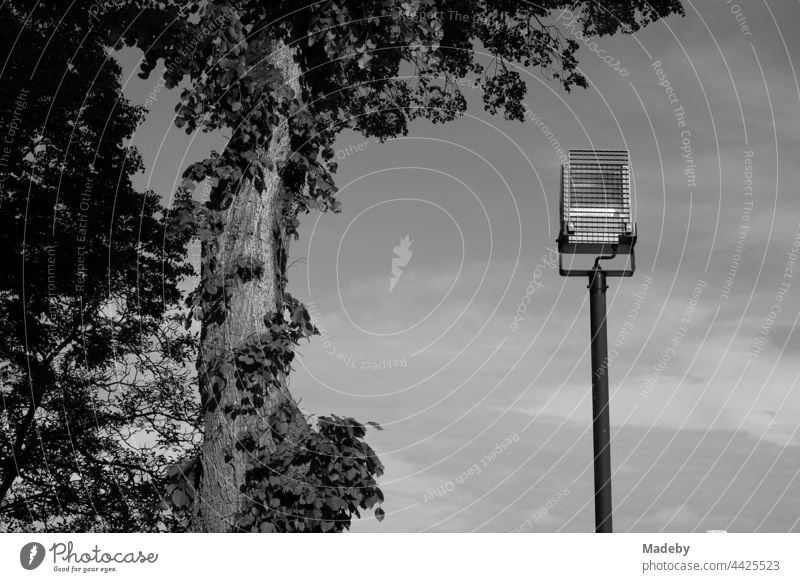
column 596, row 203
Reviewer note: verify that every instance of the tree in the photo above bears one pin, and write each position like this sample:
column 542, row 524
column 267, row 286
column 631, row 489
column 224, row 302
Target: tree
column 285, row 80
column 96, row 399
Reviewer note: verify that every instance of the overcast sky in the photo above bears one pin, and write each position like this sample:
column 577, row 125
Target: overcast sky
column 705, row 395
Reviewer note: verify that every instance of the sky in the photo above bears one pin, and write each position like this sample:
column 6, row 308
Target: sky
column 473, row 353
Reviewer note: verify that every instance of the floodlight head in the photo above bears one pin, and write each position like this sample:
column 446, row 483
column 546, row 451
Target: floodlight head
column 595, row 208
column 596, row 203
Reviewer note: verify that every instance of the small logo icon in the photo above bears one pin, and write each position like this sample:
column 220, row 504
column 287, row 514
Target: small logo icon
column 400, row 260
column 31, row 555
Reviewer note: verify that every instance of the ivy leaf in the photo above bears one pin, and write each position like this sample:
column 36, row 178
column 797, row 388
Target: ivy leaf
column 179, row 498
column 379, row 514
column 245, row 522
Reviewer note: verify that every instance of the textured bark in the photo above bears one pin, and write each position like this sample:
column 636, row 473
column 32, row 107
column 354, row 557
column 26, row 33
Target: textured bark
column 250, row 236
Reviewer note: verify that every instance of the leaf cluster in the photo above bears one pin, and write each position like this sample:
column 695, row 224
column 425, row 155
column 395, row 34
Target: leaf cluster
column 314, row 481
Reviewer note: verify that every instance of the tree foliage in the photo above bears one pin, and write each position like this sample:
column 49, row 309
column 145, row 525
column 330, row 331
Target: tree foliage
column 96, row 398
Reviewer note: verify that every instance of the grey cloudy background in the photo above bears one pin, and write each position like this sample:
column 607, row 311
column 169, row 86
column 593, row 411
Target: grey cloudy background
column 708, row 438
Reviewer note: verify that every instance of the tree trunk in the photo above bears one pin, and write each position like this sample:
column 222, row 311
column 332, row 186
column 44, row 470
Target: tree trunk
column 250, row 236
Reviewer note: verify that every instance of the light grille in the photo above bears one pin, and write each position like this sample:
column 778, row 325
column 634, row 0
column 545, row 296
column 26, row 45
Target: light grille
column 596, row 199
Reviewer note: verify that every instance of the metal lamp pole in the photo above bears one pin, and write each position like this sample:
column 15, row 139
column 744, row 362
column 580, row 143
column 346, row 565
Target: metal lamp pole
column 601, row 428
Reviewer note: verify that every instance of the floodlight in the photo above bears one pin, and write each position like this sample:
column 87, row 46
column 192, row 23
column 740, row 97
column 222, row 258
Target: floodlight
column 596, row 220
